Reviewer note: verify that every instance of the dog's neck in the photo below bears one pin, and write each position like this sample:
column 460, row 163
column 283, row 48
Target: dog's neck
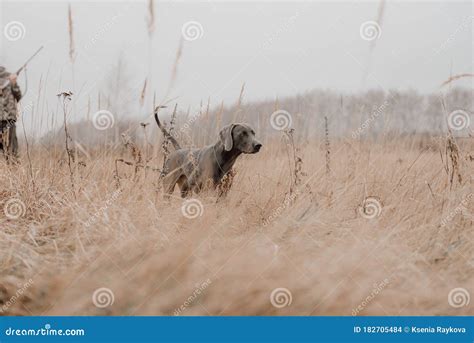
column 225, row 159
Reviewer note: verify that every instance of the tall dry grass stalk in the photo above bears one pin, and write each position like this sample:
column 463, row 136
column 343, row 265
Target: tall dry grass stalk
column 208, row 108
column 28, row 156
column 328, row 146
column 72, row 51
column 143, row 94
column 219, row 117
column 238, row 113
column 379, row 20
column 455, row 77
column 241, row 96
column 452, row 151
column 66, row 97
column 150, row 19
column 452, row 155
column 72, row 48
column 174, row 70
column 166, row 143
column 136, row 155
column 373, row 43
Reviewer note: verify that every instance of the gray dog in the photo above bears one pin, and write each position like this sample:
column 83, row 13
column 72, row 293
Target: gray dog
column 198, row 169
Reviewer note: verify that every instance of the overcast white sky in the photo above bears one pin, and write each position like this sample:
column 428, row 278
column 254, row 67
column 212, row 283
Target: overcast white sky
column 276, row 48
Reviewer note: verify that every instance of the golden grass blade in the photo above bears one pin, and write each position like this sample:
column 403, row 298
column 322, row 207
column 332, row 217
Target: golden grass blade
column 455, row 77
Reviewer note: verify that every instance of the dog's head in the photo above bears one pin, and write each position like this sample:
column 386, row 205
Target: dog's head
column 240, row 137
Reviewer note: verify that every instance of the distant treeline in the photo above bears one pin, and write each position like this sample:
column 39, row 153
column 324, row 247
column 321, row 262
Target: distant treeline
column 362, row 115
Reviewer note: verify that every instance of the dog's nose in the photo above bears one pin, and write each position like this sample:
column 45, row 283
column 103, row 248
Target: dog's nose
column 257, row 146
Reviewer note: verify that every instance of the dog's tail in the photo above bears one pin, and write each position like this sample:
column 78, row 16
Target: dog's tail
column 167, row 135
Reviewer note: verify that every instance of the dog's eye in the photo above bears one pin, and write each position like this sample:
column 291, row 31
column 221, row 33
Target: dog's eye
column 244, row 133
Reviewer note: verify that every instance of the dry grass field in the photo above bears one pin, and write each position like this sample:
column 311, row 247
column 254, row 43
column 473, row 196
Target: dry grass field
column 377, row 229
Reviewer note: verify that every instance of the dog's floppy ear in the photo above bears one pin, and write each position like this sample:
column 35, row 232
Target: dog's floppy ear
column 226, row 136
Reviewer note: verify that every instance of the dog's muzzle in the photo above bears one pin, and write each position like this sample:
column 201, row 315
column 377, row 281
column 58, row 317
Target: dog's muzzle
column 256, row 148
